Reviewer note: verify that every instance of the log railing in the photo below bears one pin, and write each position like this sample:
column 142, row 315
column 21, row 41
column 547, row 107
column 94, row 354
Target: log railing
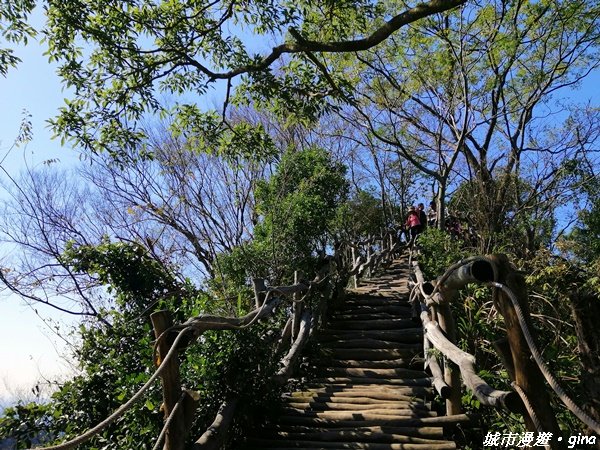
column 179, row 405
column 353, row 261
column 518, row 351
column 432, row 304
column 368, row 255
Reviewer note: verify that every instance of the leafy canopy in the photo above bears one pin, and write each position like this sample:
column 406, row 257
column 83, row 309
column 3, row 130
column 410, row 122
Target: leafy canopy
column 121, row 58
column 296, row 209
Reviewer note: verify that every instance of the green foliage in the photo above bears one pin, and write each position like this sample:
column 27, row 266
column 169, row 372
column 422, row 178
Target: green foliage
column 14, row 29
column 27, row 425
column 122, row 58
column 117, row 359
column 206, row 132
column 584, row 239
column 296, row 207
column 360, row 216
column 551, row 281
column 439, row 251
column 127, row 269
column 508, row 225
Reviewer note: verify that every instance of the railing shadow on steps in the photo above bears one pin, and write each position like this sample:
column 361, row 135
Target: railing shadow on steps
column 517, row 351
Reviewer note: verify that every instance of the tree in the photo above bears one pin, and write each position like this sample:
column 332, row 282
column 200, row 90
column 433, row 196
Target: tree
column 14, row 29
column 296, row 209
column 120, row 58
column 476, row 105
column 184, row 207
column 584, row 239
column 360, row 217
column 525, row 228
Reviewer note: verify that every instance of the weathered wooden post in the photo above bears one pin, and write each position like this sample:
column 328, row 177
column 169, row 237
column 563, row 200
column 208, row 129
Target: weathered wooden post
column 477, row 271
column 171, row 384
column 451, row 372
column 297, row 309
column 260, row 287
column 354, row 260
column 527, row 374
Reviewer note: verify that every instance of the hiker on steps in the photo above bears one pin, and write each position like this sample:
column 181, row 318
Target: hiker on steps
column 412, row 225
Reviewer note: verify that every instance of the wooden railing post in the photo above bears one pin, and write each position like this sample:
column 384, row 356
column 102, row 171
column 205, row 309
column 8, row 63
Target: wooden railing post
column 527, row 374
column 369, row 251
column 354, row 259
column 297, row 309
column 171, row 384
column 451, row 373
column 260, row 287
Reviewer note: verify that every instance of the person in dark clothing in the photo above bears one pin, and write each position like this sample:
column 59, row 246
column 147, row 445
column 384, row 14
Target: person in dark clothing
column 422, row 217
column 432, row 215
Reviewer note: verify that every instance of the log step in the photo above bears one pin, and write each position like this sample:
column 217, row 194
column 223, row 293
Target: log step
column 371, row 414
column 349, row 436
column 405, row 333
column 363, row 315
column 422, row 432
column 333, row 400
column 403, row 393
column 372, row 343
column 373, row 373
column 370, row 364
column 408, row 336
column 339, row 405
column 372, row 420
column 278, row 444
column 380, row 324
column 368, row 380
column 373, row 354
column 371, row 301
column 365, row 385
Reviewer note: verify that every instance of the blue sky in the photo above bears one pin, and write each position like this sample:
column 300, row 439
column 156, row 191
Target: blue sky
column 31, row 352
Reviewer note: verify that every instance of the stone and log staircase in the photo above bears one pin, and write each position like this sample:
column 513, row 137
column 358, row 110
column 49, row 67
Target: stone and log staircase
column 367, row 388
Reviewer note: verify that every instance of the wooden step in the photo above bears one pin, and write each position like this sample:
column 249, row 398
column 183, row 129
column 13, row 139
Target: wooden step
column 379, row 324
column 341, row 399
column 356, row 413
column 372, row 343
column 407, row 335
column 406, row 393
column 342, row 406
column 359, row 390
column 415, row 362
column 354, row 381
column 373, row 373
column 336, row 435
column 372, row 420
column 395, row 306
column 372, row 354
column 363, row 315
column 422, row 432
column 365, row 400
column 296, row 444
column 369, row 301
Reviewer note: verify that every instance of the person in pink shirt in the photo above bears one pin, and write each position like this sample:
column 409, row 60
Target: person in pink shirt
column 413, row 224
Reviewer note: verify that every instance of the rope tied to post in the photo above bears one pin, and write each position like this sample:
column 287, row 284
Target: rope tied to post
column 567, row 401
column 123, row 408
